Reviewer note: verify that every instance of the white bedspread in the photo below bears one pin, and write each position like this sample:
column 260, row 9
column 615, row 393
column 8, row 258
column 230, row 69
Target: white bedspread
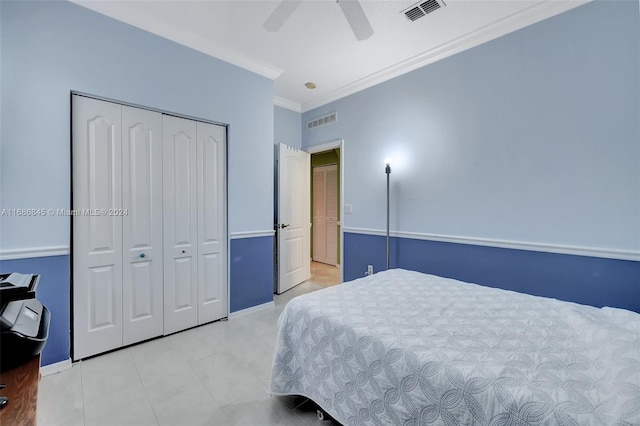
column 405, row 348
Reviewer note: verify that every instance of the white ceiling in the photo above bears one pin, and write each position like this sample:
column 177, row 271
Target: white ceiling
column 316, row 44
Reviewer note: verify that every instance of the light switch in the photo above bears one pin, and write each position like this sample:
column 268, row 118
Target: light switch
column 347, row 209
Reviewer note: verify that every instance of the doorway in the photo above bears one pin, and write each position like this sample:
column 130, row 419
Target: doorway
column 320, row 273
column 326, row 208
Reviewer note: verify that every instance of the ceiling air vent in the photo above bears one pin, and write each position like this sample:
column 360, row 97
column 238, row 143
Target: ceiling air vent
column 321, row 121
column 419, row 10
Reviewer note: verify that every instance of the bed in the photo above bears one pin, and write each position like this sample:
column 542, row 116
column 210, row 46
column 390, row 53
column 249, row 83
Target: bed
column 405, row 348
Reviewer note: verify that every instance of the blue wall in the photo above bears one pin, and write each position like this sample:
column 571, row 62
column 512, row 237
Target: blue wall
column 581, row 279
column 53, row 292
column 51, row 48
column 252, row 272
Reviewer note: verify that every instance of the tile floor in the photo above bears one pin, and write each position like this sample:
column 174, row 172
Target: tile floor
column 325, row 275
column 216, row 374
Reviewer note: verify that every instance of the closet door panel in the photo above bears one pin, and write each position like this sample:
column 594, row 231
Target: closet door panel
column 180, row 224
column 211, row 174
column 332, row 215
column 142, row 224
column 325, row 214
column 319, row 214
column 97, row 234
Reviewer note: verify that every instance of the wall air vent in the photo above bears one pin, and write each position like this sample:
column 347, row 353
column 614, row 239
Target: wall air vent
column 420, row 9
column 321, row 121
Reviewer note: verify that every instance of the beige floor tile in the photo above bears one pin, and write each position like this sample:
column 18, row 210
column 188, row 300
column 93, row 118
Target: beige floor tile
column 60, row 399
column 325, row 275
column 127, row 407
column 268, row 411
column 216, row 374
column 228, row 380
column 166, row 374
column 109, row 374
column 193, row 407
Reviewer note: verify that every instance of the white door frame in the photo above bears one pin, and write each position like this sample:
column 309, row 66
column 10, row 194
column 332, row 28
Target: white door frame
column 328, row 146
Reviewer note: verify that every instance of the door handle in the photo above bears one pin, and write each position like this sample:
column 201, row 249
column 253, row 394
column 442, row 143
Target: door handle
column 284, row 226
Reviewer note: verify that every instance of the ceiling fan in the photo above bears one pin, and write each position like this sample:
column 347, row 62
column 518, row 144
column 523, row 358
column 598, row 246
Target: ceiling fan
column 351, row 8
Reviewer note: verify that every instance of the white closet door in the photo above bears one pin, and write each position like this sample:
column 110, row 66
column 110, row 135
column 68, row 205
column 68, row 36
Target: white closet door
column 325, row 214
column 212, row 278
column 332, row 215
column 142, row 287
column 319, row 215
column 97, row 234
column 180, row 224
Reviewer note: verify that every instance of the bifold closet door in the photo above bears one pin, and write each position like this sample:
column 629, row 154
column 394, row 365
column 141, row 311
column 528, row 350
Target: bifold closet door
column 212, row 246
column 325, row 214
column 149, row 233
column 97, row 235
column 195, row 279
column 180, row 199
column 332, row 215
column 319, row 213
column 117, row 231
column 142, row 287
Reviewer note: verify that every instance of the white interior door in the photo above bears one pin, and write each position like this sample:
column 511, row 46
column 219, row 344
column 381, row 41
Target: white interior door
column 294, row 263
column 180, row 224
column 97, row 235
column 212, row 277
column 142, row 281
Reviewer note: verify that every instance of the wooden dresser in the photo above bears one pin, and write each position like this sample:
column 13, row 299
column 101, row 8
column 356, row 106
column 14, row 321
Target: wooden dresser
column 22, row 391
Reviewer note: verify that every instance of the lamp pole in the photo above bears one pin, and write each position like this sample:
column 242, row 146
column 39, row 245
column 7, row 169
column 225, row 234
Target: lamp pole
column 387, row 170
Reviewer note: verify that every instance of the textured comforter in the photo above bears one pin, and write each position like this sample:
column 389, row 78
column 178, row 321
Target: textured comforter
column 405, row 348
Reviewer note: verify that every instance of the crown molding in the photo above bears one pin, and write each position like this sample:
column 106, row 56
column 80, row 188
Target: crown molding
column 160, row 28
column 506, row 25
column 287, row 104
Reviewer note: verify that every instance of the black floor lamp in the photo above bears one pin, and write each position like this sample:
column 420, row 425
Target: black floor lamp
column 387, row 170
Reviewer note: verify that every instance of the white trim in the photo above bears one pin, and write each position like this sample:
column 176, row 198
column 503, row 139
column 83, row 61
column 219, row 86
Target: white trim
column 337, row 143
column 508, row 24
column 252, row 310
column 58, row 367
column 287, row 104
column 14, row 254
column 183, row 37
column 251, row 234
column 517, row 245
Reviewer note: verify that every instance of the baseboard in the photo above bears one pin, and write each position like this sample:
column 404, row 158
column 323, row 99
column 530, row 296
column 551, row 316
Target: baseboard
column 57, row 367
column 252, row 310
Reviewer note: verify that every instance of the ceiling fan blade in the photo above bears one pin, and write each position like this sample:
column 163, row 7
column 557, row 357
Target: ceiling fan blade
column 281, row 14
column 357, row 19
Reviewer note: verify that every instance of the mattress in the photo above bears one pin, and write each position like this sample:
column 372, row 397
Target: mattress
column 405, row 348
